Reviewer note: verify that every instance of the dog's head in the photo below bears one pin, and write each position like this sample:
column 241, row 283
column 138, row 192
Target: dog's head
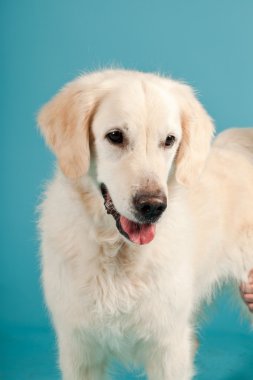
column 141, row 128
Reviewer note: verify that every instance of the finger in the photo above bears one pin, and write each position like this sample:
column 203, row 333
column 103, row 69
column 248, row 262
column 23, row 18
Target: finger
column 248, row 298
column 251, row 276
column 246, row 288
column 250, row 305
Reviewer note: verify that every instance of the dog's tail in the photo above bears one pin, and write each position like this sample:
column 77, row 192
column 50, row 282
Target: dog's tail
column 238, row 139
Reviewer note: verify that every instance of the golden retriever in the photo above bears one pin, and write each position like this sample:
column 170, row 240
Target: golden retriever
column 140, row 222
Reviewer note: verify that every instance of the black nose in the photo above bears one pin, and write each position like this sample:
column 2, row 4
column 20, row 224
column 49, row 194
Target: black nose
column 149, row 206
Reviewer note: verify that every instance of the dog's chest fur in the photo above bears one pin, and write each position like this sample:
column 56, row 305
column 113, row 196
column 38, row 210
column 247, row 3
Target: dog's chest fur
column 120, row 294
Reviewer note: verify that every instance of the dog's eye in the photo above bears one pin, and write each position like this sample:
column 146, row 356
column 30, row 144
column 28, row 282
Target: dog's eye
column 170, row 140
column 115, row 137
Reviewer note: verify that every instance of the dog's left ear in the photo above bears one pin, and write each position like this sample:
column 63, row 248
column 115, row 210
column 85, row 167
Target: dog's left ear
column 64, row 122
column 197, row 133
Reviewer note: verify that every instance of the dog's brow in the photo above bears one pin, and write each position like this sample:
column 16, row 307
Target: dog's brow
column 122, row 126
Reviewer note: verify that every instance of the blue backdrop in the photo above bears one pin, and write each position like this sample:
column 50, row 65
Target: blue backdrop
column 47, row 43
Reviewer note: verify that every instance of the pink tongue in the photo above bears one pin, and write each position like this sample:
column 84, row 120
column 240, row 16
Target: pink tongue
column 138, row 233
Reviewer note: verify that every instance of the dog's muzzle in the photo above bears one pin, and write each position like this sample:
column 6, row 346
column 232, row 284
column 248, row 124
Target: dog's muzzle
column 147, row 210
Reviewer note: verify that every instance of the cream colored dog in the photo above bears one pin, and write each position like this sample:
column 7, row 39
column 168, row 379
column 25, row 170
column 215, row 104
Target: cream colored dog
column 140, row 223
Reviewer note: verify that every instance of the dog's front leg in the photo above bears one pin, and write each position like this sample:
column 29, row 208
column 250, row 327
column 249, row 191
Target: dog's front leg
column 174, row 360
column 80, row 359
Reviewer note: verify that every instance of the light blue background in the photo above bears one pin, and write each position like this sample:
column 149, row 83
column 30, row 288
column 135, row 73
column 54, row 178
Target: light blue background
column 47, row 43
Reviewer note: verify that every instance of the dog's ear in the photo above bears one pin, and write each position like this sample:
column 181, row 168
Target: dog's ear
column 197, row 133
column 64, row 122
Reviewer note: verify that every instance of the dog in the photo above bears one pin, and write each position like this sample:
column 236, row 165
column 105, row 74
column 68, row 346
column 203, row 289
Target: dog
column 140, row 222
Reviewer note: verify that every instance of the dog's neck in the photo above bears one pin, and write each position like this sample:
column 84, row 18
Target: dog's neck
column 103, row 229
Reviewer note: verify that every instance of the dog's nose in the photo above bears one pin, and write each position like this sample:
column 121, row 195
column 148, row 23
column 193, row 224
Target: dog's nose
column 149, row 207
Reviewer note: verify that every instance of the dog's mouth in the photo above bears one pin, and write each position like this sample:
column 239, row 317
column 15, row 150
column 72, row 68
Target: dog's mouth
column 138, row 233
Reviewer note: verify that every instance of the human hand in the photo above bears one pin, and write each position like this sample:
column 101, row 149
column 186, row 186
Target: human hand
column 246, row 290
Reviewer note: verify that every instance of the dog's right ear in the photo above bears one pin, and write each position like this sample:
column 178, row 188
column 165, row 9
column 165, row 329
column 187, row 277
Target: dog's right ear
column 64, row 122
column 197, row 130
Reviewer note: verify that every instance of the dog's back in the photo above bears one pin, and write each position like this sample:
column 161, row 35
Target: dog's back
column 238, row 139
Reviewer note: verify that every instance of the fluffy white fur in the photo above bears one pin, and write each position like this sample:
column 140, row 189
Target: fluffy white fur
column 107, row 296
